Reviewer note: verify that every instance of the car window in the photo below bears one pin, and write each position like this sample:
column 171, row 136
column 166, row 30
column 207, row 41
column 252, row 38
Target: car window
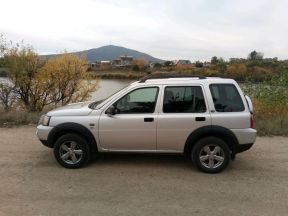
column 141, row 100
column 226, row 98
column 184, row 99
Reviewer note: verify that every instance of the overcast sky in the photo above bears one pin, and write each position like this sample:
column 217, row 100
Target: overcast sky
column 167, row 29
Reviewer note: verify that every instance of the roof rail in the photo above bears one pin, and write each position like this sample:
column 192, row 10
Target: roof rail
column 167, row 75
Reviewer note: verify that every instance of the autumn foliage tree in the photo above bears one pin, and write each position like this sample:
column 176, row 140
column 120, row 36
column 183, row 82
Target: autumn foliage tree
column 60, row 80
column 67, row 76
column 140, row 63
column 23, row 63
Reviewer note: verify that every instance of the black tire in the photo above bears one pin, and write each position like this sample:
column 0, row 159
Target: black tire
column 215, row 161
column 79, row 144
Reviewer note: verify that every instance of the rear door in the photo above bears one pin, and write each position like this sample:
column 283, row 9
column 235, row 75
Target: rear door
column 229, row 110
column 184, row 109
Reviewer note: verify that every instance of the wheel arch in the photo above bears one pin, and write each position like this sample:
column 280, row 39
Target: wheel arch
column 75, row 128
column 215, row 131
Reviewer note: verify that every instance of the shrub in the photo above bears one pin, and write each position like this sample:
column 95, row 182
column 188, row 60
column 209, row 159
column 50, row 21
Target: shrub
column 7, row 95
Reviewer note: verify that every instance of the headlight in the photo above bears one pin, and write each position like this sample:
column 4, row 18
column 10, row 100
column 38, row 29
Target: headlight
column 44, row 120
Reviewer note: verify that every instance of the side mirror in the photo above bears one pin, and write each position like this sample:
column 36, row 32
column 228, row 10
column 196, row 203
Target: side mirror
column 111, row 111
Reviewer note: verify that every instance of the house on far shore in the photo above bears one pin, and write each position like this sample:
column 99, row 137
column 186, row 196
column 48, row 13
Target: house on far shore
column 123, row 61
column 99, row 65
column 183, row 63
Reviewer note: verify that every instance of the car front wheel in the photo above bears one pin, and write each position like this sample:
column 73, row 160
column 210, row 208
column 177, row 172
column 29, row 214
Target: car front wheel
column 211, row 155
column 72, row 151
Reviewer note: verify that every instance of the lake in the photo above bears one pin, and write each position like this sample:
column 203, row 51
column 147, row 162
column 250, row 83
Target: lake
column 106, row 87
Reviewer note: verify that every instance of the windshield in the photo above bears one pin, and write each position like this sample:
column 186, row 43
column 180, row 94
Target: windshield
column 100, row 103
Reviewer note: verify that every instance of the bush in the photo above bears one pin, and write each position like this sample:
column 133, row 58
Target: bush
column 18, row 117
column 136, row 68
column 270, row 99
column 7, row 95
column 198, row 64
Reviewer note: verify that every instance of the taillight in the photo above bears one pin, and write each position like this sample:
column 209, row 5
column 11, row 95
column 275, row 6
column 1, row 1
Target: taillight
column 251, row 121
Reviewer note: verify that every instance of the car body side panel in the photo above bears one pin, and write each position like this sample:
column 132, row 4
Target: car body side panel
column 173, row 129
column 244, row 136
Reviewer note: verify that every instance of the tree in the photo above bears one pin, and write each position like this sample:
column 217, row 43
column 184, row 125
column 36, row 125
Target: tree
column 214, row 60
column 67, row 75
column 168, row 63
column 254, row 55
column 198, row 64
column 60, row 81
column 3, row 45
column 222, row 66
column 141, row 63
column 157, row 65
column 22, row 63
column 135, row 68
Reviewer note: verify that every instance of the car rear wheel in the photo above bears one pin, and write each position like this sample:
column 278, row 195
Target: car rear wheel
column 211, row 155
column 72, row 151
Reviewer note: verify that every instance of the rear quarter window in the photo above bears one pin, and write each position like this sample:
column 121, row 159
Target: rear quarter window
column 226, row 98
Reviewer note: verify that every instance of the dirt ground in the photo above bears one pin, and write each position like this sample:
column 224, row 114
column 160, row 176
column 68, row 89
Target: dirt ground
column 32, row 183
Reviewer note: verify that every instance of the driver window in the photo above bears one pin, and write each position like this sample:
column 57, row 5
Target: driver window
column 141, row 100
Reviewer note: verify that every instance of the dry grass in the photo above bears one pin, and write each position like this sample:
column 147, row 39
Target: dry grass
column 272, row 126
column 14, row 118
column 125, row 74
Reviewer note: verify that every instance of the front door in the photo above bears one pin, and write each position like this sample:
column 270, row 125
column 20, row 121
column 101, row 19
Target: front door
column 133, row 127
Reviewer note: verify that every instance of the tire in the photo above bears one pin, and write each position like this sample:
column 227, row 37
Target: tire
column 206, row 159
column 72, row 151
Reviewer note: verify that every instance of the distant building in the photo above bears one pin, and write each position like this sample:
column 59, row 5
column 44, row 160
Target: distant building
column 123, row 61
column 237, row 60
column 183, row 63
column 99, row 65
column 270, row 59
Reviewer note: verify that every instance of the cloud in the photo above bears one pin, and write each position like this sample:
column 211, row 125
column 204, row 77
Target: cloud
column 168, row 29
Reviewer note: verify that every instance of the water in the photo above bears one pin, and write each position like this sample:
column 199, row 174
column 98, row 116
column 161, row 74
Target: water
column 106, row 87
column 5, row 80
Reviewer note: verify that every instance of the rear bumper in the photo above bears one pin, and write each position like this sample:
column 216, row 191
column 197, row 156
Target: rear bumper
column 243, row 147
column 244, row 136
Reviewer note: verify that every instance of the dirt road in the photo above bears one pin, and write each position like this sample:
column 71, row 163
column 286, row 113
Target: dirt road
column 32, row 183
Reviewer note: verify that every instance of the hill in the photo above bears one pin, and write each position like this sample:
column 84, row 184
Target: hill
column 111, row 52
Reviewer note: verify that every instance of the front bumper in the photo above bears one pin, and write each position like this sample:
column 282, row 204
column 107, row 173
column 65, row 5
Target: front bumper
column 42, row 133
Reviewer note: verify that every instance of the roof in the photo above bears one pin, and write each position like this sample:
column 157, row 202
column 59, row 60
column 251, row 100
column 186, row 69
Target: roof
column 189, row 80
column 178, row 78
column 183, row 62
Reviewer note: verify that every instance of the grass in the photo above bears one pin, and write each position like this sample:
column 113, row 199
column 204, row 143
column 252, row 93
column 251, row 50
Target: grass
column 16, row 118
column 125, row 74
column 271, row 126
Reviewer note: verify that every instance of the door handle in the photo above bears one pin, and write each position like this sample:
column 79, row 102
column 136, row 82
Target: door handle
column 200, row 119
column 148, row 119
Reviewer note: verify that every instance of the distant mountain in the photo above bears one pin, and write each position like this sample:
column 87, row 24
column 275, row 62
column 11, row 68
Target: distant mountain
column 111, row 52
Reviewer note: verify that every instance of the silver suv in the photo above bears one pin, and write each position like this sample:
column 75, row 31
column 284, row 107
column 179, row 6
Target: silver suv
column 207, row 119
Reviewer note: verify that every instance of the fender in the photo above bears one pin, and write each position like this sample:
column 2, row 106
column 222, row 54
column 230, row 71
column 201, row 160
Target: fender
column 71, row 127
column 213, row 130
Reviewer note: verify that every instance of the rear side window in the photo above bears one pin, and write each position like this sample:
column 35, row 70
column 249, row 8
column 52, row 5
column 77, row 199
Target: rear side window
column 226, row 98
column 183, row 99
